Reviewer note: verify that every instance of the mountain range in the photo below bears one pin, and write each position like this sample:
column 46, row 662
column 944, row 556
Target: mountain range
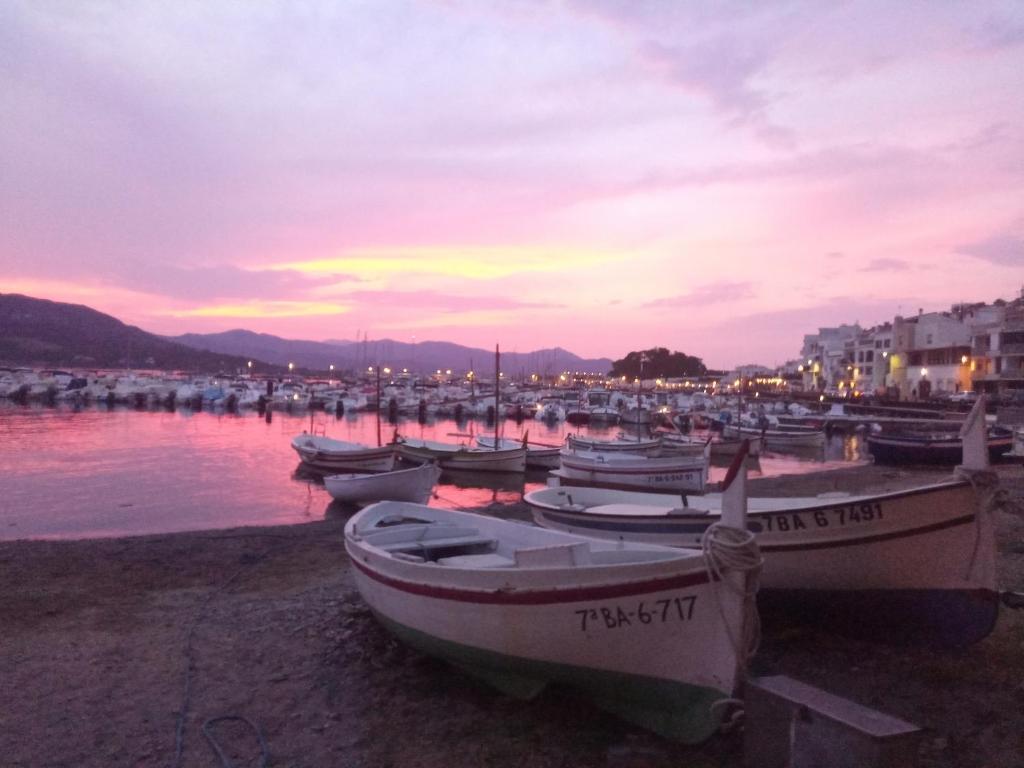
column 48, row 333
column 422, row 357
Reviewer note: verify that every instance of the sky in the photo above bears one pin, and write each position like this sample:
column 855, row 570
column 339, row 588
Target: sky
column 718, row 178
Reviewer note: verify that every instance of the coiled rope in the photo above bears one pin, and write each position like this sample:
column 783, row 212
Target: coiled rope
column 732, row 550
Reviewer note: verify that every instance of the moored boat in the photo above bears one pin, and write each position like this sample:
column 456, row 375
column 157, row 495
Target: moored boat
column 415, row 485
column 649, row 447
column 537, row 456
column 668, row 474
column 327, row 455
column 655, row 635
column 914, row 566
column 454, row 456
column 932, row 447
column 777, row 439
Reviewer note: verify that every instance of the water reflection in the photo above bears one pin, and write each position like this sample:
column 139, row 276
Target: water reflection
column 72, row 472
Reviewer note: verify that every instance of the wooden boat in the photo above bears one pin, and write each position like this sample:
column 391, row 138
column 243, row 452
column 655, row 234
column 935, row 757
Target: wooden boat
column 537, row 456
column 914, row 566
column 669, row 474
column 453, row 456
column 653, row 634
column 790, row 438
column 326, row 455
column 415, row 484
column 931, row 447
column 619, row 445
column 675, row 444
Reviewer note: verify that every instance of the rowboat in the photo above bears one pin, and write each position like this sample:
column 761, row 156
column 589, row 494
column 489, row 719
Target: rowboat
column 454, row 456
column 668, row 474
column 675, row 444
column 620, row 445
column 790, row 438
column 415, row 484
column 537, row 456
column 656, row 635
column 326, row 455
column 914, row 566
column 932, row 448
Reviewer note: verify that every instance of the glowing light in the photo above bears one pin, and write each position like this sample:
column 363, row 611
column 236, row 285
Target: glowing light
column 332, row 366
column 291, row 366
column 963, row 360
column 249, row 364
column 924, row 371
column 387, row 370
column 800, row 368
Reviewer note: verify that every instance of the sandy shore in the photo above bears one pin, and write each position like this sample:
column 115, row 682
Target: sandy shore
column 96, row 637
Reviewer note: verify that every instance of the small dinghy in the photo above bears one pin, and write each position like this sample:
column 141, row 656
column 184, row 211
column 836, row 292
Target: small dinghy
column 326, row 455
column 915, row 566
column 619, row 445
column 416, row 485
column 657, row 635
column 537, row 456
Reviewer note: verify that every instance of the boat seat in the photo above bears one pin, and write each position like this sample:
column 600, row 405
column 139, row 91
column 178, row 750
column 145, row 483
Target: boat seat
column 414, row 546
column 553, row 555
column 488, row 560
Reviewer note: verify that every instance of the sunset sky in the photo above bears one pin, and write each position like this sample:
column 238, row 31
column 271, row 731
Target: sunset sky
column 718, row 178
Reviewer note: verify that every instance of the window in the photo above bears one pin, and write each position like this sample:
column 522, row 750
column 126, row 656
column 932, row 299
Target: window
column 887, row 342
column 928, row 339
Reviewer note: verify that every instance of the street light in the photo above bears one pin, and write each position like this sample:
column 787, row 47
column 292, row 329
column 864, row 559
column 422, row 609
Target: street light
column 291, row 366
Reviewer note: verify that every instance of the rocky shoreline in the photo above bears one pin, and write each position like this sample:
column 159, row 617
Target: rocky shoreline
column 101, row 637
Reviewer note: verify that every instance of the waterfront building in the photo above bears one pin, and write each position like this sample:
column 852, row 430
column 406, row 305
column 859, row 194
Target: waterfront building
column 824, row 355
column 997, row 347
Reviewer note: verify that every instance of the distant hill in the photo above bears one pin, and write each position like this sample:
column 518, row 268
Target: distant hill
column 38, row 332
column 424, row 356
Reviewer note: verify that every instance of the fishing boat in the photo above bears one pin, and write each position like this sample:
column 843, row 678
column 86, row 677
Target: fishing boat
column 650, row 447
column 456, row 456
column 327, row 455
column 668, row 474
column 931, row 447
column 537, row 456
column 914, row 566
column 415, row 484
column 777, row 439
column 656, row 635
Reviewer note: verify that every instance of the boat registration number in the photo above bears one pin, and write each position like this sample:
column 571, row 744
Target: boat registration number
column 652, row 612
column 853, row 514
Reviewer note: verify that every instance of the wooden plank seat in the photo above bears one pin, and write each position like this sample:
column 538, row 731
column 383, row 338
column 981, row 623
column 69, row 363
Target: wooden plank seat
column 486, row 560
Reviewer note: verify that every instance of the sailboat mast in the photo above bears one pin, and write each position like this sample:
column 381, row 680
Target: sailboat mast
column 497, row 390
column 378, row 406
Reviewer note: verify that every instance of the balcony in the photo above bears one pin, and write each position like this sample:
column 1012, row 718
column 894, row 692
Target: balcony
column 1012, row 349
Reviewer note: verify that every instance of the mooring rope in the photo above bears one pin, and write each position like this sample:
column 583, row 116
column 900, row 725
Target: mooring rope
column 988, row 496
column 727, row 549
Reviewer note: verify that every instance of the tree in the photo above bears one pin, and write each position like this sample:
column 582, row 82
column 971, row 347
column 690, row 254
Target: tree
column 658, row 363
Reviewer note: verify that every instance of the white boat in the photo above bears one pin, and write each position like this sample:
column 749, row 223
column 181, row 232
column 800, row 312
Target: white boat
column 667, row 474
column 415, row 484
column 619, row 445
column 537, row 456
column 326, row 455
column 916, row 565
column 656, row 635
column 453, row 456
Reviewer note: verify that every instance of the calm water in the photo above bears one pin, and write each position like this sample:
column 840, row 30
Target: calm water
column 97, row 472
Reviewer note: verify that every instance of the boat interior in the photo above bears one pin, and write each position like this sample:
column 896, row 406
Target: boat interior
column 462, row 546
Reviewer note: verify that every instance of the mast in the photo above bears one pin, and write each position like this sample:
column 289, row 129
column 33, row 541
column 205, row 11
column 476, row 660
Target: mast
column 497, row 390
column 378, row 406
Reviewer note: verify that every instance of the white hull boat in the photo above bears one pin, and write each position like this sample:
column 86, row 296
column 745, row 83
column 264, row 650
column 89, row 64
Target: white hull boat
column 670, row 474
column 620, row 445
column 451, row 456
column 415, row 485
column 326, row 455
column 649, row 633
column 914, row 566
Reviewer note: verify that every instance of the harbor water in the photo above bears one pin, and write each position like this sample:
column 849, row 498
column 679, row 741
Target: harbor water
column 68, row 473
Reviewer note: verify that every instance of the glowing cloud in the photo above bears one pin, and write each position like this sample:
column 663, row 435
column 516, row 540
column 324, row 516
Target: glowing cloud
column 263, row 309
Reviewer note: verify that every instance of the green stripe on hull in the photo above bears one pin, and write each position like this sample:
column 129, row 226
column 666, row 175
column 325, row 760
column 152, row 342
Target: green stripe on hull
column 677, row 711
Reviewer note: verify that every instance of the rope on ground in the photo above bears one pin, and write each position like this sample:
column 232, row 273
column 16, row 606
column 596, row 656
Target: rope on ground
column 179, row 736
column 225, row 762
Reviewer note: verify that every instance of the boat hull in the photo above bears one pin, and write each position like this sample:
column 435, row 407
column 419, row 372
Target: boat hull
column 317, row 456
column 775, row 440
column 502, row 460
column 948, row 452
column 416, row 485
column 519, row 638
column 664, row 475
column 914, row 566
